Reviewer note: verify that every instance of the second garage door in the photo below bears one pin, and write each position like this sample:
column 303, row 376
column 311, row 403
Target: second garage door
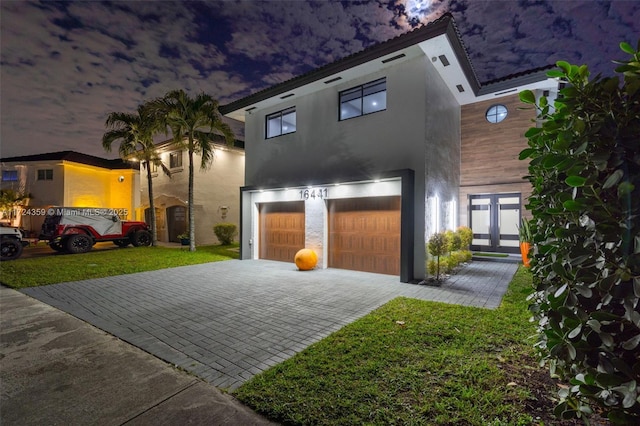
column 364, row 234
column 281, row 230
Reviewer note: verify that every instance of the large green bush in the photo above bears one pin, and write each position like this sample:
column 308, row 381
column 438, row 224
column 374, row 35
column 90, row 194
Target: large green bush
column 584, row 165
column 225, row 232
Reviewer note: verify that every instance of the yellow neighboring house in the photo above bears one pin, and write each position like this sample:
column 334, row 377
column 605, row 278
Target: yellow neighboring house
column 71, row 179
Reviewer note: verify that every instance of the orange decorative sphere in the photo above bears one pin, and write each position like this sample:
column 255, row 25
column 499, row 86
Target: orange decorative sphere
column 306, row 259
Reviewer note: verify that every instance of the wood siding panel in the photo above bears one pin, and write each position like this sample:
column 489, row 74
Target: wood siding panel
column 281, row 230
column 364, row 234
column 489, row 152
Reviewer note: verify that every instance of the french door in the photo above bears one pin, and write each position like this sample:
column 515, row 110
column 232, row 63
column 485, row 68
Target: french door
column 494, row 219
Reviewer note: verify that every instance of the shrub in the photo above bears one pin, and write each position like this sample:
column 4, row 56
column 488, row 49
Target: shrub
column 225, row 232
column 585, row 171
column 454, row 241
column 467, row 255
column 462, row 256
column 450, row 262
column 432, row 267
column 466, row 237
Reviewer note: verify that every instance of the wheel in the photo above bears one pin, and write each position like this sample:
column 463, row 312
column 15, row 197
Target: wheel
column 57, row 246
column 122, row 243
column 141, row 238
column 79, row 243
column 11, row 249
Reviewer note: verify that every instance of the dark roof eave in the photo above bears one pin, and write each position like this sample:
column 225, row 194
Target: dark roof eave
column 237, row 143
column 443, row 25
column 515, row 80
column 75, row 157
column 463, row 58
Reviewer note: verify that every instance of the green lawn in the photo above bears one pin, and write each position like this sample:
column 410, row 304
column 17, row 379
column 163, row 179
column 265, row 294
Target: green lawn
column 414, row 362
column 53, row 269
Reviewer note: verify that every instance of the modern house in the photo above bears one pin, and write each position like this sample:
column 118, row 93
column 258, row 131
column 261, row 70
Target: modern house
column 71, row 179
column 216, row 190
column 363, row 159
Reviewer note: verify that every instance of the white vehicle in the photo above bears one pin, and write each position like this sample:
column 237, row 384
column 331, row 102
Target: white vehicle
column 12, row 242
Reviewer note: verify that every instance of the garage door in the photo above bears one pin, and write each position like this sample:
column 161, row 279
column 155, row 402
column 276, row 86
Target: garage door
column 281, row 230
column 364, row 234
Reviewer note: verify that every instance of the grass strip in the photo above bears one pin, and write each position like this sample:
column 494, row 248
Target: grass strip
column 57, row 268
column 410, row 362
column 483, row 254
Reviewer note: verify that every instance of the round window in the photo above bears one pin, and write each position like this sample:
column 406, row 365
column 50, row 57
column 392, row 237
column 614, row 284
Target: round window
column 496, row 113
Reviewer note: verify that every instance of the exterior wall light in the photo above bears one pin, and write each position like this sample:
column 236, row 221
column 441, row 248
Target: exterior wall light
column 223, row 211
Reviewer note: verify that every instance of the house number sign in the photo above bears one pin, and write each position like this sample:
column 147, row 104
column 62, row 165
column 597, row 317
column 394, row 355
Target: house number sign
column 313, row 193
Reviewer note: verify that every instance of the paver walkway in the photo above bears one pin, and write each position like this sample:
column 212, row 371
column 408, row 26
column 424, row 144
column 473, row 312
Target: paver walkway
column 227, row 321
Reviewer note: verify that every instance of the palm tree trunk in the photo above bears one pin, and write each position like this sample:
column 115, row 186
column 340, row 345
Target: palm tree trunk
column 192, row 222
column 154, row 231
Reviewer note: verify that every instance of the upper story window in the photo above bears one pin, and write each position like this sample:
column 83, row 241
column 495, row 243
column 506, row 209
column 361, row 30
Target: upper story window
column 9, row 175
column 281, row 122
column 175, row 159
column 496, row 113
column 365, row 99
column 45, row 174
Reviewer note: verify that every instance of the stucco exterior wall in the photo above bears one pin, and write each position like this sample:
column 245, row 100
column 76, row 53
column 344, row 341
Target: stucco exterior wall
column 214, row 188
column 324, row 147
column 89, row 186
column 43, row 192
column 441, row 156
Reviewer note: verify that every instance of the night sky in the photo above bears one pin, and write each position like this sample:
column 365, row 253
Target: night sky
column 66, row 65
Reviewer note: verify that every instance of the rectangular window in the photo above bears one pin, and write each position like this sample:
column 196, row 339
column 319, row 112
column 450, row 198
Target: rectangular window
column 175, row 159
column 9, row 175
column 365, row 99
column 281, row 123
column 45, row 174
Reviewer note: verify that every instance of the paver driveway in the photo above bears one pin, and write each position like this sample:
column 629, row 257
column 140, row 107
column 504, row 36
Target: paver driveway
column 228, row 321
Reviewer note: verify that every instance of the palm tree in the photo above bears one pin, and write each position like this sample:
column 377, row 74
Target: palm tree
column 135, row 133
column 195, row 124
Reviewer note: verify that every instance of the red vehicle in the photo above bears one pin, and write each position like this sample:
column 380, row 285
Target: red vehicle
column 77, row 229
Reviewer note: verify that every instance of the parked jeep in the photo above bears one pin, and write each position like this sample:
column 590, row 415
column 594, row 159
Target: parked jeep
column 12, row 242
column 77, row 229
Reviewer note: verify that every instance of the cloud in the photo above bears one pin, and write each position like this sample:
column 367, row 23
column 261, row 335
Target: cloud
column 518, row 36
column 67, row 68
column 66, row 65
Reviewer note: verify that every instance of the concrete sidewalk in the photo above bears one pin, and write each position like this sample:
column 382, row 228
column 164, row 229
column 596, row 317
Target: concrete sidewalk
column 57, row 369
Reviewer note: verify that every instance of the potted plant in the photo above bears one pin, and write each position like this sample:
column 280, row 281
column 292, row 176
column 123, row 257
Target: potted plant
column 184, row 239
column 525, row 241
